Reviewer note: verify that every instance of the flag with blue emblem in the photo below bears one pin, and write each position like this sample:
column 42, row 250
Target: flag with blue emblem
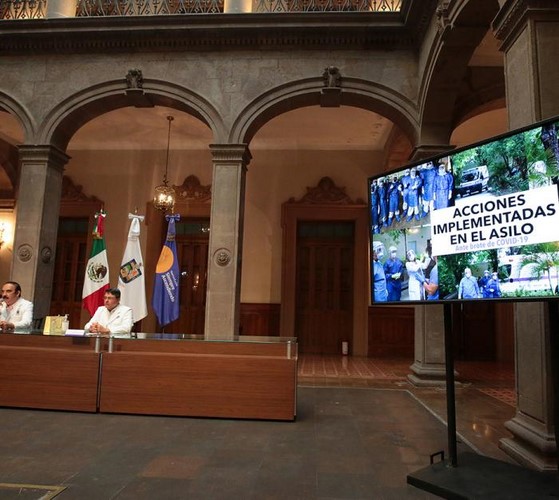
column 165, row 300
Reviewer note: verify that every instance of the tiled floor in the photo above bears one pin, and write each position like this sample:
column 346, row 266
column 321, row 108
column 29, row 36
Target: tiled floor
column 485, row 394
column 345, row 369
column 361, row 428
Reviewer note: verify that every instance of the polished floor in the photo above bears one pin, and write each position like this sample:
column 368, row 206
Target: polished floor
column 361, row 428
column 485, row 392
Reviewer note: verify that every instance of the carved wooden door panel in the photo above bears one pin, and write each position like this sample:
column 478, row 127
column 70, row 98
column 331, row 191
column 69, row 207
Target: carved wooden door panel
column 324, row 286
column 69, row 269
column 192, row 248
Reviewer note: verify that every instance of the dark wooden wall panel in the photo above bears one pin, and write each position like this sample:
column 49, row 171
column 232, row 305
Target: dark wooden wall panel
column 260, row 319
column 391, row 331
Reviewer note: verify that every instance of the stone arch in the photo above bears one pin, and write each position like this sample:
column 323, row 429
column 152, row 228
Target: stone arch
column 354, row 92
column 8, row 153
column 68, row 116
column 11, row 106
column 461, row 26
column 488, row 105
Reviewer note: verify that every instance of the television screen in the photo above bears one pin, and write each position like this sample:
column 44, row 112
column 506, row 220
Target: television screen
column 480, row 222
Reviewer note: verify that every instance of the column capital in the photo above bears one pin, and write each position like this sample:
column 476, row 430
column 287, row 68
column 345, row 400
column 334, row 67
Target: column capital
column 422, row 151
column 48, row 154
column 515, row 13
column 231, row 153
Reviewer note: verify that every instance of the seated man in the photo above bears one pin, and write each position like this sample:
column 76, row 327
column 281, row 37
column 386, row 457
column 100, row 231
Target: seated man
column 112, row 318
column 16, row 314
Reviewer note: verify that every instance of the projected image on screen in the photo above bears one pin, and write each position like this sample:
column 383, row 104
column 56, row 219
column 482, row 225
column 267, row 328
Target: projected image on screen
column 481, row 222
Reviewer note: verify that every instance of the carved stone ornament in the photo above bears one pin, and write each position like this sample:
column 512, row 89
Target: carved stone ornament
column 46, row 255
column 24, row 253
column 134, row 79
column 442, row 15
column 510, row 20
column 73, row 192
column 332, row 77
column 222, row 257
column 192, row 190
column 326, row 192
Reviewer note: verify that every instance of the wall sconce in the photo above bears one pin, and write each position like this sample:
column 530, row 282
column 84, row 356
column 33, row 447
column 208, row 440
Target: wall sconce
column 2, row 229
column 196, row 281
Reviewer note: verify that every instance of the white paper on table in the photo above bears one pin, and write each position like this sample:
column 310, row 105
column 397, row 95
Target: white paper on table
column 75, row 332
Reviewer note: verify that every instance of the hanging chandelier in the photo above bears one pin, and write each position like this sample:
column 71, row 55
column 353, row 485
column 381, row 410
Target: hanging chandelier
column 164, row 196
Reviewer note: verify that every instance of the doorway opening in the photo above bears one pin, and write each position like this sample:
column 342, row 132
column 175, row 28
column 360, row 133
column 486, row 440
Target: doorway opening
column 192, row 239
column 324, row 285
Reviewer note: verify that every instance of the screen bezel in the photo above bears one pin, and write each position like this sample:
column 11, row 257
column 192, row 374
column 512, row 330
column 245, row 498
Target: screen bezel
column 435, row 159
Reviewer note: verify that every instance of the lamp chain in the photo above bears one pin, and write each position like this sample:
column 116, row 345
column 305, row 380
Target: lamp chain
column 170, row 118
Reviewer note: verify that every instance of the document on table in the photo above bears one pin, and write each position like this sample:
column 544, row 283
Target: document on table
column 75, row 333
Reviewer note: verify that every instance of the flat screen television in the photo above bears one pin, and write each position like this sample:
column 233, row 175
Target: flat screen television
column 476, row 223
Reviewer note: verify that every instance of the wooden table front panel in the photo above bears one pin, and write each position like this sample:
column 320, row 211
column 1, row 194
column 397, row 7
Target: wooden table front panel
column 276, row 349
column 49, row 378
column 199, row 385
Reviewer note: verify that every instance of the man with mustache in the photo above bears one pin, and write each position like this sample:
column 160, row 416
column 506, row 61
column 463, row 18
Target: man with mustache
column 16, row 313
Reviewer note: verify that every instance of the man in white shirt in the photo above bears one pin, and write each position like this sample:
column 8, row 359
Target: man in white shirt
column 112, row 318
column 16, row 314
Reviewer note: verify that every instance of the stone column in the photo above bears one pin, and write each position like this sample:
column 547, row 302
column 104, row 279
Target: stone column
column 533, row 441
column 226, row 237
column 61, row 8
column 37, row 212
column 428, row 368
column 237, row 6
column 528, row 31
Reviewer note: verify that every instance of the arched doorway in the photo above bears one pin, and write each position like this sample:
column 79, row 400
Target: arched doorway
column 193, row 204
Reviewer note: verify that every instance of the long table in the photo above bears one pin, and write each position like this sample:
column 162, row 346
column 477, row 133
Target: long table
column 157, row 374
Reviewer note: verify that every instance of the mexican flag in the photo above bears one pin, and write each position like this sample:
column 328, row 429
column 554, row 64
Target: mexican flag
column 96, row 279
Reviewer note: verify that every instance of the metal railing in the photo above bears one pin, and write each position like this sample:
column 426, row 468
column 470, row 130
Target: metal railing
column 278, row 6
column 23, row 9
column 90, row 8
column 38, row 9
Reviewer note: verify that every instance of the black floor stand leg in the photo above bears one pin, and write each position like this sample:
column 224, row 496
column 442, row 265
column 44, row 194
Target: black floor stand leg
column 484, row 477
column 553, row 308
column 450, row 394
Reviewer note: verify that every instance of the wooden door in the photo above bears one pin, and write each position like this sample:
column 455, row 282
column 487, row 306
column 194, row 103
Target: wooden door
column 69, row 268
column 324, row 286
column 192, row 250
